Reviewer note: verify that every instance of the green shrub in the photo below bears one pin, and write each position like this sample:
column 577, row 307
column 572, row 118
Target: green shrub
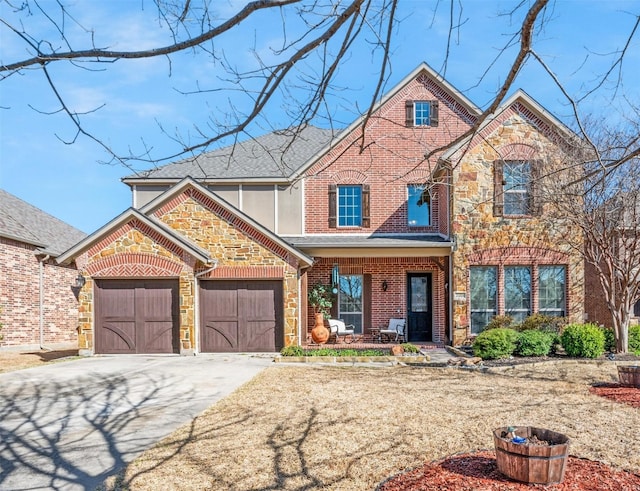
column 542, row 322
column 292, row 351
column 609, row 339
column 495, row 343
column 534, row 343
column 634, row 340
column 583, row 340
column 410, row 348
column 500, row 322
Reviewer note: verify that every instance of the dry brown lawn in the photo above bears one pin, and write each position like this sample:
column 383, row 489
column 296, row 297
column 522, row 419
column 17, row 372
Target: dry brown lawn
column 18, row 360
column 349, row 428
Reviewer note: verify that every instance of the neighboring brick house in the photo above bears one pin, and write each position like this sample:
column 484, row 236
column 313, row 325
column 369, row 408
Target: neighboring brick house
column 38, row 307
column 225, row 246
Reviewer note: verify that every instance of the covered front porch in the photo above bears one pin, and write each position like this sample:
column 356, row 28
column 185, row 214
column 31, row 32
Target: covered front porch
column 371, row 286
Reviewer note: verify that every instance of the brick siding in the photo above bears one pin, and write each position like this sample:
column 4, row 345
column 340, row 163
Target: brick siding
column 20, row 298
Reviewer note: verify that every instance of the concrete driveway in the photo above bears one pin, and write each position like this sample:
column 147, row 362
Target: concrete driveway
column 69, row 426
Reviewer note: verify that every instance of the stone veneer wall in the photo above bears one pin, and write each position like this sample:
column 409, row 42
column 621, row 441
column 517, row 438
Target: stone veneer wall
column 483, row 238
column 133, row 251
column 136, row 251
column 20, row 298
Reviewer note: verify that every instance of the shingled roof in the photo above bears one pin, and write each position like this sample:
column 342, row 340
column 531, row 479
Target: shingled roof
column 23, row 222
column 274, row 155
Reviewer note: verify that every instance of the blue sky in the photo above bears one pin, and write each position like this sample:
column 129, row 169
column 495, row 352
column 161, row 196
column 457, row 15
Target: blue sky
column 67, row 180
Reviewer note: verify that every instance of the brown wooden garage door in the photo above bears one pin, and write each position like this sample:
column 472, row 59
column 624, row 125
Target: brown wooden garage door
column 240, row 315
column 137, row 316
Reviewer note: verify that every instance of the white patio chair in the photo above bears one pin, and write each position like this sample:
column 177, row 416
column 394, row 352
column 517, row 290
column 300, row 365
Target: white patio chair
column 338, row 328
column 394, row 332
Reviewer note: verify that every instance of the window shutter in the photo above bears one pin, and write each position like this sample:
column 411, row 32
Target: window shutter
column 366, row 302
column 535, row 202
column 366, row 218
column 333, row 205
column 498, row 188
column 434, row 113
column 408, row 108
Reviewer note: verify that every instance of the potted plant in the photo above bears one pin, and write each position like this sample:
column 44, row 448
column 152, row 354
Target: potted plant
column 321, row 301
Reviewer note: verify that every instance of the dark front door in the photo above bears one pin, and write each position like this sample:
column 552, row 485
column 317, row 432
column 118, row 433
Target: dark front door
column 419, row 312
column 240, row 315
column 137, row 316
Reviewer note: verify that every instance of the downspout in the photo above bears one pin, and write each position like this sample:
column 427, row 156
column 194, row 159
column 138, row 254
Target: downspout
column 41, row 261
column 196, row 305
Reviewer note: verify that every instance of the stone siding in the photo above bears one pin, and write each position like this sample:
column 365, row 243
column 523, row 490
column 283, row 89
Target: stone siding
column 136, row 251
column 485, row 239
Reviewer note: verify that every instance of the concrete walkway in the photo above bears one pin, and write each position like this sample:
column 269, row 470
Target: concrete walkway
column 69, row 426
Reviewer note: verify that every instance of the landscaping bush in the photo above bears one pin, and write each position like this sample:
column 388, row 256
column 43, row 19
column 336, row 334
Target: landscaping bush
column 534, row 343
column 410, row 348
column 500, row 322
column 609, row 339
column 542, row 322
column 292, row 351
column 495, row 343
column 583, row 340
column 634, row 340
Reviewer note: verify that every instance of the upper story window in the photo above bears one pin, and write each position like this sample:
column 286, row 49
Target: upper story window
column 421, row 113
column 418, row 206
column 517, row 185
column 514, row 183
column 349, row 206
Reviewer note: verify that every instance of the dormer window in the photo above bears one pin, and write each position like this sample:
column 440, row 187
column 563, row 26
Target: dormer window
column 421, row 113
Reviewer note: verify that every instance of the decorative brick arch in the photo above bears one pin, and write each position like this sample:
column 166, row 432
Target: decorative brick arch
column 349, row 177
column 134, row 265
column 517, row 255
column 518, row 151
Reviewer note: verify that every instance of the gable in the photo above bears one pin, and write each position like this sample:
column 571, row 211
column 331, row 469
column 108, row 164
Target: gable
column 218, row 230
column 202, row 217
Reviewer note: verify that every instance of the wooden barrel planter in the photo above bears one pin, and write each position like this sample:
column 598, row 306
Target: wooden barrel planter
column 529, row 462
column 629, row 375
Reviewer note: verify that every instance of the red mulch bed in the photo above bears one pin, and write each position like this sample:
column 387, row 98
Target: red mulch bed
column 618, row 393
column 478, row 472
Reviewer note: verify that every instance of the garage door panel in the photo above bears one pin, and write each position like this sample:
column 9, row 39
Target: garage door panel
column 116, row 337
column 240, row 315
column 157, row 336
column 221, row 336
column 137, row 316
column 259, row 336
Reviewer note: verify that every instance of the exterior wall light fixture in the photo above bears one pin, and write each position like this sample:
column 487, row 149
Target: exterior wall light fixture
column 385, row 285
column 80, row 281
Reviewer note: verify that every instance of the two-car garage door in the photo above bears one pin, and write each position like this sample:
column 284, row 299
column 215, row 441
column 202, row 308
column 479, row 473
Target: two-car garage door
column 143, row 316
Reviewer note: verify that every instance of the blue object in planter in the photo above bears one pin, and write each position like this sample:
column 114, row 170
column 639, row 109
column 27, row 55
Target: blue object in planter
column 518, row 439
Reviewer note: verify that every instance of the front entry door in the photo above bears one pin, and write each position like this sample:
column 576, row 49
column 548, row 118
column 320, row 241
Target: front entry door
column 419, row 318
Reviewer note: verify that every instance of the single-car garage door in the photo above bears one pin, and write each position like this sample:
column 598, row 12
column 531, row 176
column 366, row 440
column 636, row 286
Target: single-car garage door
column 241, row 316
column 137, row 316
